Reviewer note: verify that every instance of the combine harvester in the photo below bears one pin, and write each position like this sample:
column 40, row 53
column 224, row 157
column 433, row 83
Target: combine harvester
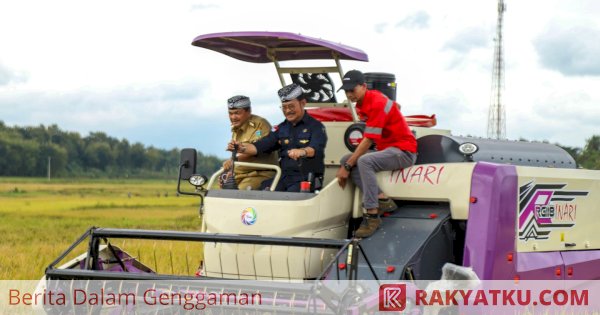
column 506, row 209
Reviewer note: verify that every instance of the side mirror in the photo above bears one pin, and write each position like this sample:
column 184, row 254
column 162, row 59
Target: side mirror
column 187, row 162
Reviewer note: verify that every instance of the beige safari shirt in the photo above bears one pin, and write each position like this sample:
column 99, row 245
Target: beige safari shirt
column 255, row 128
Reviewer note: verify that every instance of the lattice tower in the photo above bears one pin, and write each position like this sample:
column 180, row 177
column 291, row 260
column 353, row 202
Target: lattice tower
column 496, row 128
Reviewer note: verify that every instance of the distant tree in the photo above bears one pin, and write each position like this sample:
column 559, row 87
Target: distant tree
column 123, row 154
column 137, row 155
column 18, row 157
column 153, row 159
column 99, row 155
column 172, row 162
column 590, row 156
column 207, row 164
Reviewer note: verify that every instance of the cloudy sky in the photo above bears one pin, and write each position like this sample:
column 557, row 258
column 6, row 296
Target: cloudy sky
column 127, row 68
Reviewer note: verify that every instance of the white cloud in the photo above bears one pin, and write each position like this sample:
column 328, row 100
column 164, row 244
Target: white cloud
column 417, row 20
column 128, row 69
column 570, row 50
column 204, row 6
column 10, row 76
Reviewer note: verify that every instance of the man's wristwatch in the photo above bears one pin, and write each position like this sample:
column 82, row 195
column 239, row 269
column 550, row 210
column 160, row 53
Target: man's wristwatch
column 348, row 167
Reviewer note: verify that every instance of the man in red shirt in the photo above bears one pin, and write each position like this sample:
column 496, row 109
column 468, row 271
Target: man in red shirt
column 395, row 143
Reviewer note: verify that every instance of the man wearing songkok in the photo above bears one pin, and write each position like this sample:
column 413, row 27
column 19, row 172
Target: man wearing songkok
column 300, row 140
column 248, row 128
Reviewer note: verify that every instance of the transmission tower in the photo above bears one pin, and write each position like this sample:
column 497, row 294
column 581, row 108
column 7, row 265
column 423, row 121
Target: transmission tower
column 496, row 128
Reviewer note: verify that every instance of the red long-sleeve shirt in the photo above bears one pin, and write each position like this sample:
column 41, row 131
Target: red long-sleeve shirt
column 385, row 124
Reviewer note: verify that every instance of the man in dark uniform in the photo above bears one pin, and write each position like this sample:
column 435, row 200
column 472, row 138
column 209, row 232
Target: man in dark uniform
column 300, row 140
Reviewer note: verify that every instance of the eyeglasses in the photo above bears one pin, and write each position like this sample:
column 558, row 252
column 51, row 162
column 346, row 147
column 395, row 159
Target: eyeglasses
column 287, row 107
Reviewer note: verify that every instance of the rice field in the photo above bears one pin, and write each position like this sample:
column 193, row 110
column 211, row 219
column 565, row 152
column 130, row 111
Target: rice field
column 40, row 219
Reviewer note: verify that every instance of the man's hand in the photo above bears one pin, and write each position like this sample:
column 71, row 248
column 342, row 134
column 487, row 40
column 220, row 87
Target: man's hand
column 295, row 154
column 342, row 176
column 232, row 144
column 227, row 165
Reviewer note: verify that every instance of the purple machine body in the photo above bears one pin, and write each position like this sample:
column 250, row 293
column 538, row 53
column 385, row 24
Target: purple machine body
column 492, row 233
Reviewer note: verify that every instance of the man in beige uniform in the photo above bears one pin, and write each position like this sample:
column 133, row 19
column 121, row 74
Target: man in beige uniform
column 247, row 128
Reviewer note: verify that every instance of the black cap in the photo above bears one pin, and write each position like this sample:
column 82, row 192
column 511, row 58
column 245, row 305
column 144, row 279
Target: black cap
column 238, row 101
column 351, row 79
column 290, row 92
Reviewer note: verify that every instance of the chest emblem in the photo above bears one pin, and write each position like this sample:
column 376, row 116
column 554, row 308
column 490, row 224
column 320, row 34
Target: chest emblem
column 305, row 130
column 286, row 141
column 303, row 141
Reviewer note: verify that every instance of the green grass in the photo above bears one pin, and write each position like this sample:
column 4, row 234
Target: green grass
column 40, row 219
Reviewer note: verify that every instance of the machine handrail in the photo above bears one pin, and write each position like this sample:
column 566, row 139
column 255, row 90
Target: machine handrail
column 276, row 168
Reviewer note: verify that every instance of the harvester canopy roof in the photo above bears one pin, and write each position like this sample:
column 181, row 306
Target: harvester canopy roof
column 264, row 47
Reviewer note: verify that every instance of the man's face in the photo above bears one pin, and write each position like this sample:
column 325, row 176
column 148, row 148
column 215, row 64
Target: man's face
column 293, row 110
column 239, row 116
column 357, row 93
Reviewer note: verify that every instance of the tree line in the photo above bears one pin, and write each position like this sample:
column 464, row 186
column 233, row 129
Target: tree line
column 25, row 151
column 31, row 151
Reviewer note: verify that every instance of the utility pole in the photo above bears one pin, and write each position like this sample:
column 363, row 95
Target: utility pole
column 49, row 157
column 49, row 163
column 496, row 128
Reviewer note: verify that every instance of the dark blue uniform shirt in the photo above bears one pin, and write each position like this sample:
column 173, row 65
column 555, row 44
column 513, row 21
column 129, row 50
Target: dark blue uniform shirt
column 308, row 132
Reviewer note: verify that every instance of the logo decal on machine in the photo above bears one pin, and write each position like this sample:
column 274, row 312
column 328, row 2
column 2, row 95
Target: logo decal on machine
column 429, row 174
column 249, row 216
column 545, row 207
